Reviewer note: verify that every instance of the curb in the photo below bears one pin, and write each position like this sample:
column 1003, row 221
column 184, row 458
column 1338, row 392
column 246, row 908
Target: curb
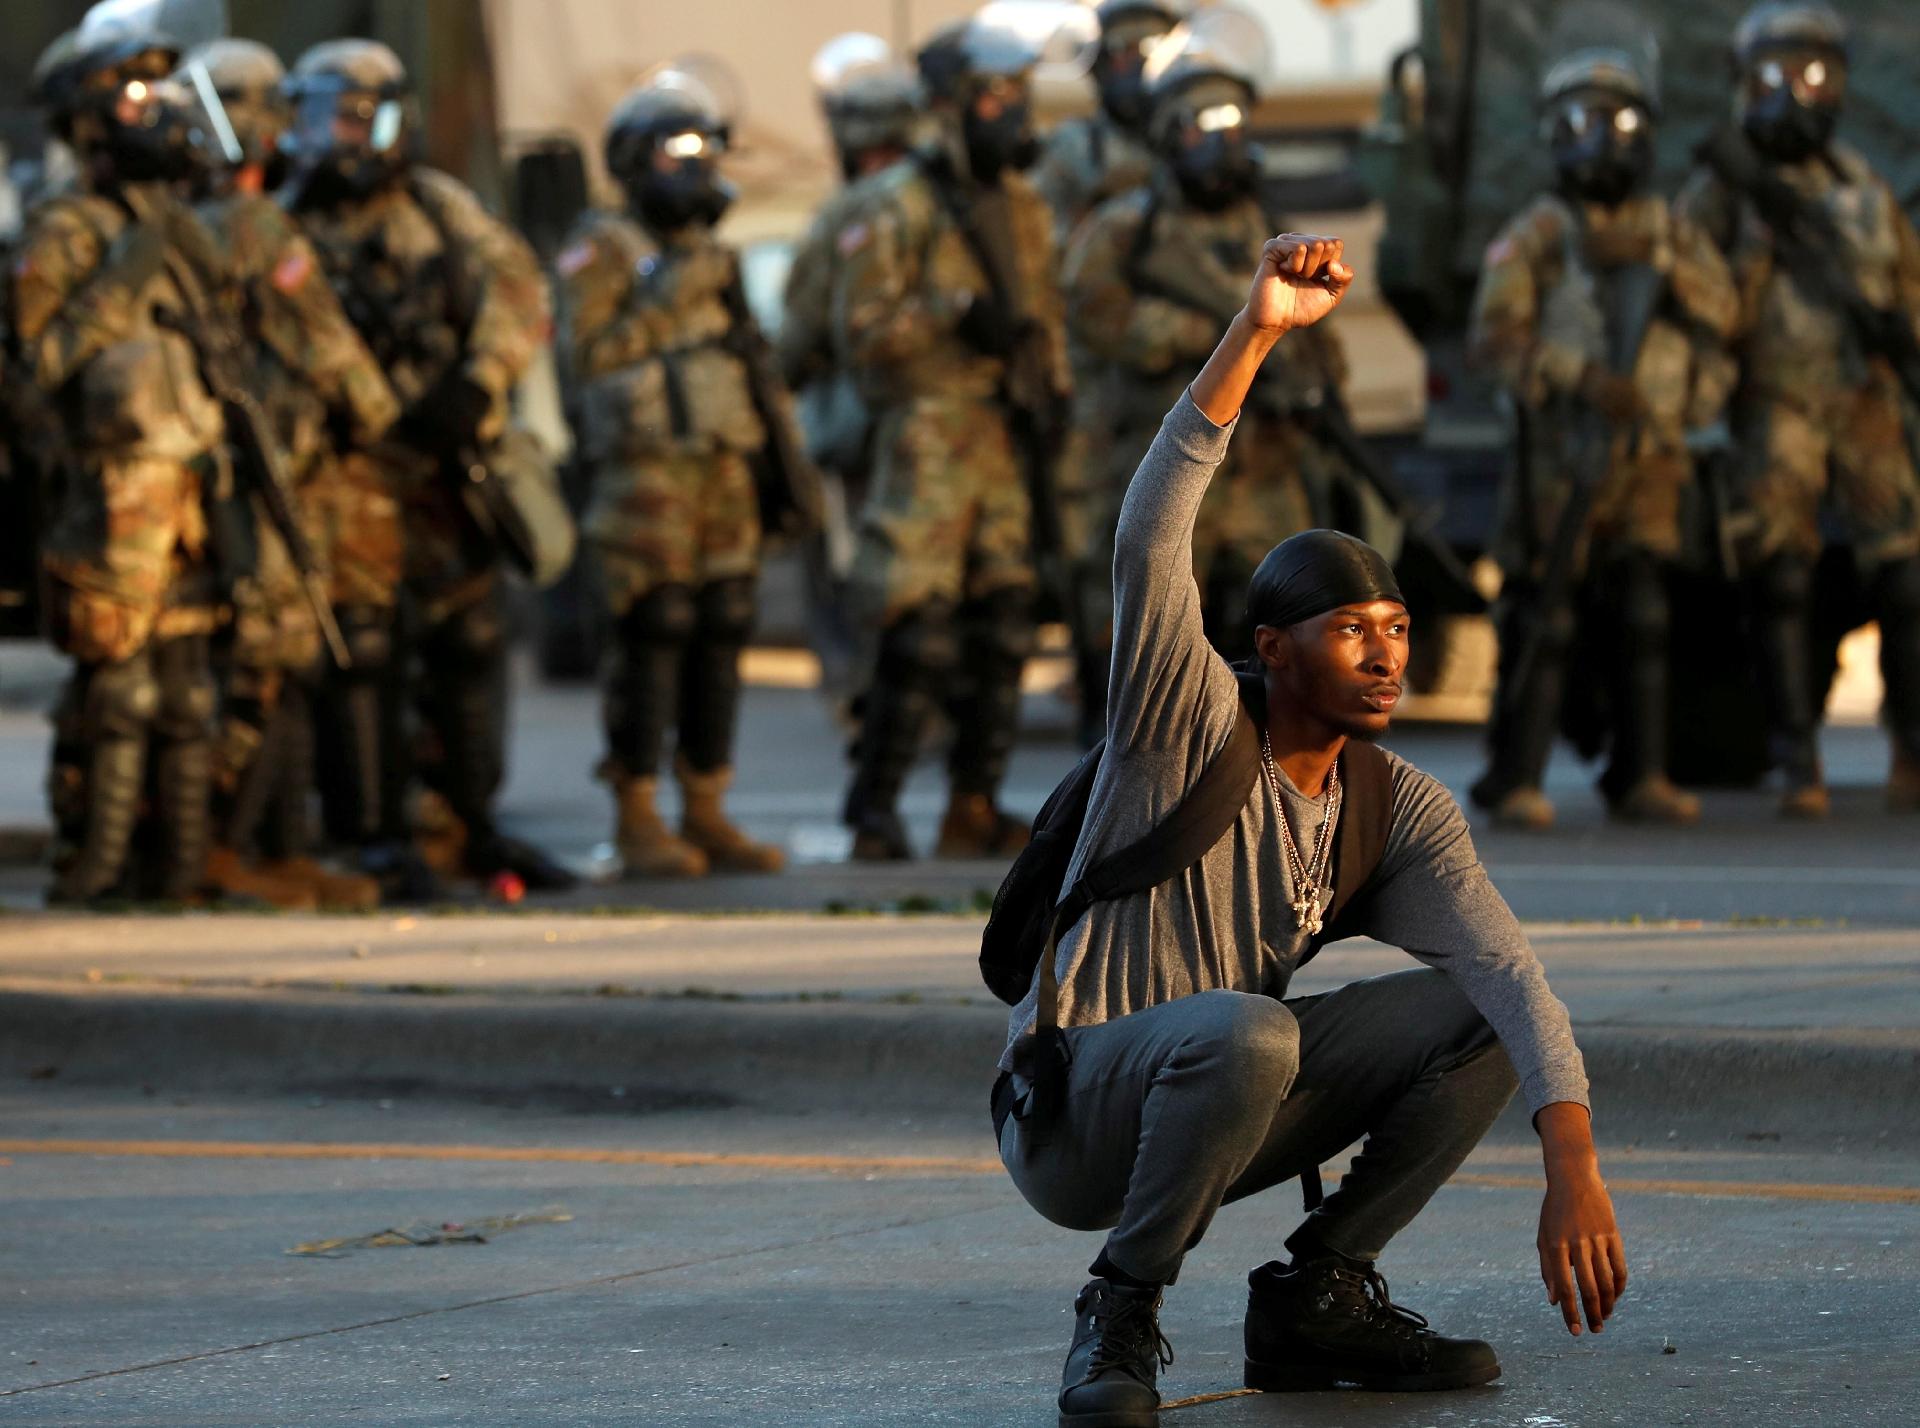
column 1822, row 1086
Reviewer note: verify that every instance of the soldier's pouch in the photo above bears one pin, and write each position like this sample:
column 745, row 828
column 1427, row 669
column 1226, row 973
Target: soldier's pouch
column 143, row 397
column 95, row 625
column 628, row 413
column 526, row 508
column 712, row 384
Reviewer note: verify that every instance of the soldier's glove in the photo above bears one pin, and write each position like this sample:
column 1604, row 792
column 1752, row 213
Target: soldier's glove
column 1615, row 397
column 449, row 416
column 989, row 328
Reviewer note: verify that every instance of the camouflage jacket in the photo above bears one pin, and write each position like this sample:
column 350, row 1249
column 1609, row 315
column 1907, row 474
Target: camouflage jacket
column 1152, row 283
column 908, row 274
column 1538, row 319
column 434, row 284
column 644, row 333
column 1086, row 162
column 1789, row 344
column 310, row 363
column 806, row 346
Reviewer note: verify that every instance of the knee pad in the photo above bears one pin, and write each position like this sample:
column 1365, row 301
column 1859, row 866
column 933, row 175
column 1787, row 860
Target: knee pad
column 122, row 698
column 1896, row 589
column 665, row 615
column 368, row 631
column 923, row 639
column 188, row 699
column 1785, row 585
column 1003, row 623
column 726, row 611
column 476, row 636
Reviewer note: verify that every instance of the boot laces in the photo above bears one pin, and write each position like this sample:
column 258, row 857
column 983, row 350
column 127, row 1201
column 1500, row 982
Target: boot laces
column 1367, row 1298
column 1129, row 1332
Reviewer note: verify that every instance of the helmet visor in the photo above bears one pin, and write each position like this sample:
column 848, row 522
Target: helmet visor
column 354, row 122
column 1817, row 78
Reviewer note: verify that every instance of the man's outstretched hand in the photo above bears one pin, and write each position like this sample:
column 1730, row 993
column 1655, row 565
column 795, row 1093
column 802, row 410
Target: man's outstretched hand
column 1301, row 279
column 1582, row 1260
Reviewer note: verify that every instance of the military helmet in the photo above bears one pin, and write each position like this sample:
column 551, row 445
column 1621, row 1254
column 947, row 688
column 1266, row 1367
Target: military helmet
column 871, row 98
column 1789, row 25
column 1128, row 31
column 666, row 106
column 353, row 115
column 98, row 83
column 55, row 78
column 1201, row 70
column 969, row 54
column 1603, row 70
column 249, row 78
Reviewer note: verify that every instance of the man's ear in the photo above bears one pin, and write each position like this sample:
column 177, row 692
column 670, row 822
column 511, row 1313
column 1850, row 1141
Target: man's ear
column 1273, row 645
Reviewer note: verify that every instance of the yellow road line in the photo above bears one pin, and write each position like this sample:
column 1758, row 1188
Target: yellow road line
column 847, row 1164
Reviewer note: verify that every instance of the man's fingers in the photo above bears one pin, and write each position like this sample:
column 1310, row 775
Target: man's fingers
column 1589, row 1289
column 1617, row 1257
column 1558, row 1274
column 1603, row 1279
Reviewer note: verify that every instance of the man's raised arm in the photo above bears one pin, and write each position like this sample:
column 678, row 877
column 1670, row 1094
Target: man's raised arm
column 1301, row 279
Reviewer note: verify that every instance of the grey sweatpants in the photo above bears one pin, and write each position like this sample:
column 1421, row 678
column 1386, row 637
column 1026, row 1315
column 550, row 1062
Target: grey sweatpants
column 1174, row 1111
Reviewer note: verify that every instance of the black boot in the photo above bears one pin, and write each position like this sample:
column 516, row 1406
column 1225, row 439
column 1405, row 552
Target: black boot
column 182, row 786
column 918, row 653
column 116, row 769
column 1328, row 1321
column 1116, row 1358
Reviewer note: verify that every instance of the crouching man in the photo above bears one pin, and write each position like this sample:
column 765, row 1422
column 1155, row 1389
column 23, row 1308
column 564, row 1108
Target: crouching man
column 1181, row 1077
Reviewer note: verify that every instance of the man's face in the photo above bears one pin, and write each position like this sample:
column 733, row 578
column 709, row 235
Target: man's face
column 1342, row 668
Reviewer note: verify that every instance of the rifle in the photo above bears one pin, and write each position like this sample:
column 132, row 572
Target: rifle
column 1636, row 291
column 791, row 499
column 1809, row 245
column 1037, row 415
column 217, row 344
column 1203, row 287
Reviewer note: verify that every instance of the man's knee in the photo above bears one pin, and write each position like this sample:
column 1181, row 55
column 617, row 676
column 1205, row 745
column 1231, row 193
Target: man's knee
column 1253, row 1042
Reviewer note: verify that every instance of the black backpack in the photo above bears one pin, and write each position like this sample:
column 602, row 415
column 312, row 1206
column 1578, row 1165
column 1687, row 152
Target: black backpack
column 1030, row 914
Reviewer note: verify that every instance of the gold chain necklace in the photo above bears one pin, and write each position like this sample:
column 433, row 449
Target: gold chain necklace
column 1306, row 879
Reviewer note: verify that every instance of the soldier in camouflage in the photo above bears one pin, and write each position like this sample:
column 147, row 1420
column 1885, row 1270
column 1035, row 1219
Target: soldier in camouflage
column 314, row 376
column 652, row 311
column 948, row 309
column 1152, row 277
column 452, row 304
column 131, row 584
column 1818, row 414
column 1087, row 161
column 1550, row 321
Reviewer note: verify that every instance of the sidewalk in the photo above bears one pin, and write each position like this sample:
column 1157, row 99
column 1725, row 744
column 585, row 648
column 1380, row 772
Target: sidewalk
column 1814, row 1026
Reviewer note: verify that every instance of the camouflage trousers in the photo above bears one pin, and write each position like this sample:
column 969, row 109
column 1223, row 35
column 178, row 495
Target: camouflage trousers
column 1847, row 448
column 124, row 558
column 685, row 519
column 948, row 516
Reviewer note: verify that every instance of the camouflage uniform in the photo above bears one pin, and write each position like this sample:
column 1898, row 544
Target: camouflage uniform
column 1086, row 162
column 443, row 294
column 945, row 545
column 315, row 376
column 125, row 556
column 1540, row 326
column 1821, row 426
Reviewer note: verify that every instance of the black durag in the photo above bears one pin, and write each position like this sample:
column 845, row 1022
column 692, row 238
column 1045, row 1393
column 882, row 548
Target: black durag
column 1314, row 572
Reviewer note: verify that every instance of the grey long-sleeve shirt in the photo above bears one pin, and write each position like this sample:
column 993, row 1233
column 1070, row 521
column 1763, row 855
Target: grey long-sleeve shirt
column 1226, row 922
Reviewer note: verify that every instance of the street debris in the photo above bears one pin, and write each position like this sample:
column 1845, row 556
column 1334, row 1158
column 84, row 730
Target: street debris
column 422, row 1233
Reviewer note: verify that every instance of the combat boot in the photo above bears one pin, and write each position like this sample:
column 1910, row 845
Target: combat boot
column 648, row 848
column 704, row 823
column 1903, row 783
column 880, row 837
column 439, row 834
column 229, row 875
column 1111, row 1379
column 1526, row 808
column 1328, row 1321
column 337, row 892
column 974, row 828
column 1655, row 799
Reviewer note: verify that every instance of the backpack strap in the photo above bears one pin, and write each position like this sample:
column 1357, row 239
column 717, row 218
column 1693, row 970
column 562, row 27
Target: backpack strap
column 1174, row 844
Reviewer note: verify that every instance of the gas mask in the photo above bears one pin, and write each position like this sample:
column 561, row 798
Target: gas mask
column 1120, row 72
column 155, row 133
column 681, row 187
column 1602, row 147
column 1791, row 103
column 1212, row 160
